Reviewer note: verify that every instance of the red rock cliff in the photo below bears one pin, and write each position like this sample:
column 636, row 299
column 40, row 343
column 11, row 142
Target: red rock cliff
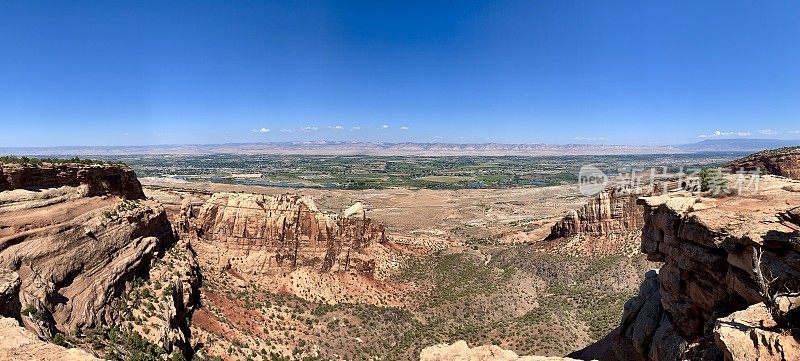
column 100, row 179
column 269, row 235
column 609, row 212
column 705, row 301
column 783, row 162
column 71, row 243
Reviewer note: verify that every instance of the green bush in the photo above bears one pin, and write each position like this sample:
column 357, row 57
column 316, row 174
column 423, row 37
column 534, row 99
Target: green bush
column 58, row 339
column 712, row 179
column 31, row 311
column 39, row 161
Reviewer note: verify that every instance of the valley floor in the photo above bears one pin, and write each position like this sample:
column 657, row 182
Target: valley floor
column 459, row 265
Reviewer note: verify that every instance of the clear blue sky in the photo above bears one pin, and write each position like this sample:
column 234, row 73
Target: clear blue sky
column 635, row 72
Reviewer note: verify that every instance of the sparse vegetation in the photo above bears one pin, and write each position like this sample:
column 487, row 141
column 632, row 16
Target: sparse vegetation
column 41, row 161
column 380, row 172
column 712, row 180
column 31, row 311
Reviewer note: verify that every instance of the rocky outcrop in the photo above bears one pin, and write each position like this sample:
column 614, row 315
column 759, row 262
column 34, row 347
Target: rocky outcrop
column 707, row 247
column 67, row 253
column 613, row 211
column 116, row 180
column 608, row 213
column 72, row 269
column 712, row 250
column 783, row 162
column 9, row 294
column 17, row 343
column 609, row 223
column 160, row 306
column 460, row 351
column 754, row 334
column 258, row 234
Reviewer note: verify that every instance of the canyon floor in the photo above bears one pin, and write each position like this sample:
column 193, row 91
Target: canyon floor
column 458, row 265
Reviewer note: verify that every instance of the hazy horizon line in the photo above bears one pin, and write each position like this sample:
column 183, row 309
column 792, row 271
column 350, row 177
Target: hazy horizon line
column 332, row 142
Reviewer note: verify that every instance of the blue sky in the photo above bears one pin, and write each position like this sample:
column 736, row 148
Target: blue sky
column 632, row 72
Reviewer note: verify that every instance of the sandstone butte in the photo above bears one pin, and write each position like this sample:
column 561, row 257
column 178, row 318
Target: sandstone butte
column 271, row 235
column 71, row 247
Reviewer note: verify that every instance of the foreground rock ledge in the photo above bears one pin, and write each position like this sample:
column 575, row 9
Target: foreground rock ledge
column 17, row 343
column 460, row 351
column 704, row 303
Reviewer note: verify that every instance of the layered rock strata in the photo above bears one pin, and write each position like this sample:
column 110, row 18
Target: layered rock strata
column 99, row 179
column 707, row 301
column 67, row 253
column 613, row 211
column 609, row 212
column 259, row 234
column 783, row 162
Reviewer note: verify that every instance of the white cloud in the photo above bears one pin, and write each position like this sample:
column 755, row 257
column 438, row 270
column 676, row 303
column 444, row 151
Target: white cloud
column 355, row 128
column 384, row 126
column 717, row 134
column 308, row 129
column 262, row 130
column 336, row 127
column 794, row 131
column 766, row 131
column 286, row 130
column 589, row 138
column 403, row 128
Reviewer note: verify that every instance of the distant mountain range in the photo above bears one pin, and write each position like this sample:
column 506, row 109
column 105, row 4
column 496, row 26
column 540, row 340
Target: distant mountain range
column 400, row 149
column 737, row 145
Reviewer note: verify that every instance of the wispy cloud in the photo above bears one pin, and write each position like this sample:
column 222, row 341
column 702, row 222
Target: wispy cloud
column 335, row 127
column 384, row 126
column 308, row 129
column 717, row 134
column 355, row 128
column 262, row 130
column 589, row 138
column 767, row 132
column 403, row 128
column 287, row 130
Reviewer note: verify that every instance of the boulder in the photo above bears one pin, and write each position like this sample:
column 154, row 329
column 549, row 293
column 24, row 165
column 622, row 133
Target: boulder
column 460, row 351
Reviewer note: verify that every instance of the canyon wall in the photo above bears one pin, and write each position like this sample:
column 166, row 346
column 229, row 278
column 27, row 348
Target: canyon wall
column 783, row 162
column 704, row 301
column 609, row 223
column 613, row 211
column 72, row 240
column 607, row 213
column 100, row 179
column 258, row 234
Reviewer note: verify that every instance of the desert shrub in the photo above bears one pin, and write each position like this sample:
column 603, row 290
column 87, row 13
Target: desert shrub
column 58, row 339
column 39, row 161
column 712, row 180
column 31, row 311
